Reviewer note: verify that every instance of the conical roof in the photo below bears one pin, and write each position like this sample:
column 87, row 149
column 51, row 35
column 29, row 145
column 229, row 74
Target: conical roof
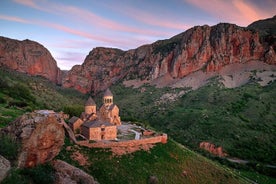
column 90, row 102
column 108, row 92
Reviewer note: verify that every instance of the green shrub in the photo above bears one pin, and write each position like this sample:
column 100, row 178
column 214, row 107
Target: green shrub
column 42, row 174
column 15, row 177
column 3, row 83
column 73, row 110
column 8, row 147
column 3, row 100
column 17, row 103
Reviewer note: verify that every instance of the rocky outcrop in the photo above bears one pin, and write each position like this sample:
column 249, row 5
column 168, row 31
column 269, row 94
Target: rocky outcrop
column 28, row 57
column 211, row 148
column 40, row 136
column 66, row 173
column 5, row 166
column 267, row 31
column 200, row 48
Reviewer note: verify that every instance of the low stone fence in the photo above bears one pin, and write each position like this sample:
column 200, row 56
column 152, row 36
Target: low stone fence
column 128, row 143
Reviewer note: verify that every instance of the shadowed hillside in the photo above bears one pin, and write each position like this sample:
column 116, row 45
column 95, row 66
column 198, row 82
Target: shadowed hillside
column 22, row 93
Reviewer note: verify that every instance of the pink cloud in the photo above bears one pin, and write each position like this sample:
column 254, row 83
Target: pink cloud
column 29, row 3
column 248, row 11
column 108, row 24
column 236, row 11
column 87, row 17
column 14, row 19
column 120, row 42
column 83, row 33
column 147, row 18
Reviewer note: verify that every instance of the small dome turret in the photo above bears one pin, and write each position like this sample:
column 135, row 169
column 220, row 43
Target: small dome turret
column 108, row 97
column 108, row 93
column 90, row 106
column 90, row 102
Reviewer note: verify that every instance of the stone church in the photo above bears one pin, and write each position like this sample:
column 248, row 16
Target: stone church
column 109, row 112
column 100, row 125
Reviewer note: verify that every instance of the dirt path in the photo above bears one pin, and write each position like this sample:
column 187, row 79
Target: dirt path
column 137, row 134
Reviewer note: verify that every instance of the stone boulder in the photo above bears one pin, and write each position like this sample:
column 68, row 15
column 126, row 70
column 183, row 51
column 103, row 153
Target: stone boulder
column 66, row 173
column 40, row 135
column 5, row 166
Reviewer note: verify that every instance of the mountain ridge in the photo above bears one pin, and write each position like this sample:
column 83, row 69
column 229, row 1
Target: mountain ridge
column 205, row 48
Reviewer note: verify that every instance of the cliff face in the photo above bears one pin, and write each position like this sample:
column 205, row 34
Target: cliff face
column 28, row 57
column 200, row 48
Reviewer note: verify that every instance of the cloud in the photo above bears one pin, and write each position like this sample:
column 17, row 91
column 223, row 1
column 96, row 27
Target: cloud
column 29, row 3
column 150, row 19
column 14, row 19
column 77, row 57
column 248, row 11
column 83, row 34
column 87, row 17
column 237, row 11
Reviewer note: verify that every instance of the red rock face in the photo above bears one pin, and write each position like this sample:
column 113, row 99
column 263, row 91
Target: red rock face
column 200, row 48
column 28, row 57
column 211, row 148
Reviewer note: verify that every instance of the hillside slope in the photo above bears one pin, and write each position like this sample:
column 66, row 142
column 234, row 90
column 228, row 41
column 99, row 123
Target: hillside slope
column 165, row 163
column 168, row 163
column 22, row 93
column 241, row 120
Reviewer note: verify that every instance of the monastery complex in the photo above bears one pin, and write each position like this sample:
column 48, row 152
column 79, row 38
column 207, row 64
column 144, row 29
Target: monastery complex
column 102, row 126
column 98, row 125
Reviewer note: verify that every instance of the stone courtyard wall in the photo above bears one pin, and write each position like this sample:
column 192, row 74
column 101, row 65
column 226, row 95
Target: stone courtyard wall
column 130, row 143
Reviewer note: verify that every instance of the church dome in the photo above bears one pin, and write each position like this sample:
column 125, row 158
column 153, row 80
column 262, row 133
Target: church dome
column 108, row 93
column 90, row 102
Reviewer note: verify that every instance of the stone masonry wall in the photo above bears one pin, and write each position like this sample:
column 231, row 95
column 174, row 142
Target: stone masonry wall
column 152, row 140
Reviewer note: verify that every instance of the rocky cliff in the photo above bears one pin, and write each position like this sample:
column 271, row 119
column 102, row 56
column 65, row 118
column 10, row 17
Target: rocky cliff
column 28, row 57
column 199, row 48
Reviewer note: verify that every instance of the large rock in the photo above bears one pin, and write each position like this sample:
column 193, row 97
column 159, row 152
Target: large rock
column 40, row 134
column 66, row 173
column 28, row 57
column 5, row 166
column 211, row 148
column 199, row 48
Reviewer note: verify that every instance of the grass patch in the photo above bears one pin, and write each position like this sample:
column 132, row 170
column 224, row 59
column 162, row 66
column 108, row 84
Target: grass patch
column 258, row 178
column 167, row 162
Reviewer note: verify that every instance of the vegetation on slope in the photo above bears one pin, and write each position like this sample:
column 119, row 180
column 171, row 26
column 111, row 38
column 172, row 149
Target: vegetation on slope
column 22, row 93
column 169, row 163
column 241, row 120
column 42, row 174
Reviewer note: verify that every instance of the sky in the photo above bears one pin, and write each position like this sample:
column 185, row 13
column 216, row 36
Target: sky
column 70, row 29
